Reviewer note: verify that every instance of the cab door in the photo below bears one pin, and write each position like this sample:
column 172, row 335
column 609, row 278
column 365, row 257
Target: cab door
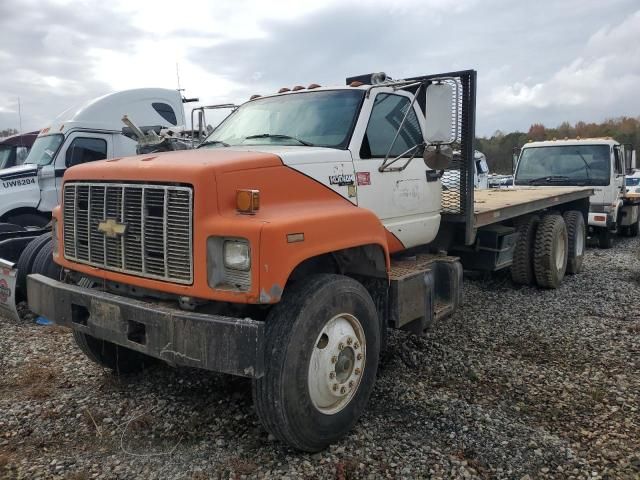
column 78, row 148
column 406, row 201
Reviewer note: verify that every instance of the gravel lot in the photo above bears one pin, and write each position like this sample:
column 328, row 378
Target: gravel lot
column 520, row 383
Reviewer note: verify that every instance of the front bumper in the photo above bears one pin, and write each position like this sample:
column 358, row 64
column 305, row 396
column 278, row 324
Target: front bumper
column 212, row 342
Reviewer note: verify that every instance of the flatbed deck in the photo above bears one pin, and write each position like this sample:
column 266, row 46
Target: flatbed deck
column 631, row 197
column 496, row 205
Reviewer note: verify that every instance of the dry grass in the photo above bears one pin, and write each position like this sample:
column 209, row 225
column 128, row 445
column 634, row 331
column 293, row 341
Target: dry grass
column 35, row 380
column 242, row 466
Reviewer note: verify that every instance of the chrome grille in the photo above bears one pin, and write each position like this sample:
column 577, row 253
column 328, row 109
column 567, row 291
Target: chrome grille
column 157, row 241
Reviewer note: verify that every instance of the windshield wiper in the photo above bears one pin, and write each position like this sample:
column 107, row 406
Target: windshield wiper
column 284, row 137
column 214, row 142
column 548, row 178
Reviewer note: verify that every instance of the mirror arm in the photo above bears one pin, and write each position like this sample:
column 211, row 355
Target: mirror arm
column 395, row 138
column 387, row 163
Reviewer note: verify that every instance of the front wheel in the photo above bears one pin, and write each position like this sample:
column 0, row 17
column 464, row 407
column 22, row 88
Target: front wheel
column 322, row 349
column 109, row 355
column 605, row 238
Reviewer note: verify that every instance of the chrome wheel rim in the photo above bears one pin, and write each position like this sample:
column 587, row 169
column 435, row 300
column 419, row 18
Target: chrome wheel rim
column 337, row 364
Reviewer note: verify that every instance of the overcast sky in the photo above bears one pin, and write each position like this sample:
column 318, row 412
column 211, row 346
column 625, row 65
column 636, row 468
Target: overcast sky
column 545, row 61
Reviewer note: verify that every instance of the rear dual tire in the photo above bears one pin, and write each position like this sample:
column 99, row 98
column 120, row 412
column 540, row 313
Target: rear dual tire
column 577, row 240
column 551, row 251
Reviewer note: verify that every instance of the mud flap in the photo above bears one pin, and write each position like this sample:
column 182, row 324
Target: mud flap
column 8, row 277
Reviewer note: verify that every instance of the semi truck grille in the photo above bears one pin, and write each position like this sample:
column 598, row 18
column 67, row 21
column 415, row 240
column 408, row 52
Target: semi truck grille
column 144, row 230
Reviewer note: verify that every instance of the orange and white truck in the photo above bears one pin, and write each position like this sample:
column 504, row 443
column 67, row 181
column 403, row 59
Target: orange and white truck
column 284, row 247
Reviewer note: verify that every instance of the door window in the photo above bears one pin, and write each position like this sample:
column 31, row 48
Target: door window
column 618, row 160
column 386, row 116
column 84, row 150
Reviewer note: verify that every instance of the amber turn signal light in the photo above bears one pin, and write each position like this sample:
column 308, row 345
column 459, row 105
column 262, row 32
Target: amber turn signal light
column 247, row 201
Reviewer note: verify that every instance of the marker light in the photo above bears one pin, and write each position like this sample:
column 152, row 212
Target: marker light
column 247, row 201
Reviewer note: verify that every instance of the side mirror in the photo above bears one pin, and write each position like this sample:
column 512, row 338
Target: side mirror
column 629, row 158
column 441, row 114
column 441, row 124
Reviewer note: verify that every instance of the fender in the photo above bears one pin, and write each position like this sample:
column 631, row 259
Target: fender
column 308, row 231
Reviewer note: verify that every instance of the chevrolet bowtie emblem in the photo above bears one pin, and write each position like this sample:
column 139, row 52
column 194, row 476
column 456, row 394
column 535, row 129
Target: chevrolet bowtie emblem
column 111, row 228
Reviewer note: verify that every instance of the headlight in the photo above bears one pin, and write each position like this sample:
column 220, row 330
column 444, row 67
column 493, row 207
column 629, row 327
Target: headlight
column 237, row 255
column 54, row 234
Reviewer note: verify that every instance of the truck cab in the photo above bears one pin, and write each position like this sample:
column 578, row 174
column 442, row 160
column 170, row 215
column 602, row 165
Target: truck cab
column 451, row 178
column 85, row 133
column 601, row 163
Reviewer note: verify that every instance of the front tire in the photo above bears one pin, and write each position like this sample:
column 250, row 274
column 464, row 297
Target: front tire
column 109, row 355
column 322, row 353
column 605, row 238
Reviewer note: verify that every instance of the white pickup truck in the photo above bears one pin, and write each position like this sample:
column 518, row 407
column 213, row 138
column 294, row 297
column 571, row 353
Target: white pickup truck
column 92, row 131
column 601, row 163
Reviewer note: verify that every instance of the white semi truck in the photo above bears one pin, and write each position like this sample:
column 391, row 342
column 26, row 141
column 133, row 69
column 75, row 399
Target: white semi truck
column 29, row 192
column 92, row 131
column 601, row 163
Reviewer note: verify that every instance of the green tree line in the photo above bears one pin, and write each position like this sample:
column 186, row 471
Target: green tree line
column 500, row 146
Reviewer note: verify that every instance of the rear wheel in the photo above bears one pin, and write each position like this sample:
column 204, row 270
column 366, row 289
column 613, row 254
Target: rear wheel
column 112, row 356
column 44, row 264
column 522, row 266
column 634, row 228
column 322, row 349
column 577, row 235
column 605, row 238
column 26, row 260
column 551, row 251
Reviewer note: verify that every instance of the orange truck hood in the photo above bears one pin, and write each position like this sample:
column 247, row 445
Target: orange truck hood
column 187, row 166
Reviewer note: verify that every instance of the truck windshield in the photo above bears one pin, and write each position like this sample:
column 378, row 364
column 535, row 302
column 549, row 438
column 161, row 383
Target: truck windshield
column 5, row 155
column 44, row 149
column 322, row 118
column 632, row 181
column 564, row 165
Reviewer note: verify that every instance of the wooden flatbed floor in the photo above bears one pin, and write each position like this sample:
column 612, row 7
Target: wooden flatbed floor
column 497, row 204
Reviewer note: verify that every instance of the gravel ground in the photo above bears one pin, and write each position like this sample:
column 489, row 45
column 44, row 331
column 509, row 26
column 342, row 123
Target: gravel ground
column 520, row 383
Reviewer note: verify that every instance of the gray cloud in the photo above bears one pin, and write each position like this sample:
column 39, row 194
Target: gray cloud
column 44, row 57
column 538, row 62
column 507, row 42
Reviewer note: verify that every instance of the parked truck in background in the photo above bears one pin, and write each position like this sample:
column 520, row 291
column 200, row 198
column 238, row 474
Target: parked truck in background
column 601, row 163
column 89, row 132
column 28, row 192
column 14, row 149
column 480, row 173
column 306, row 224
